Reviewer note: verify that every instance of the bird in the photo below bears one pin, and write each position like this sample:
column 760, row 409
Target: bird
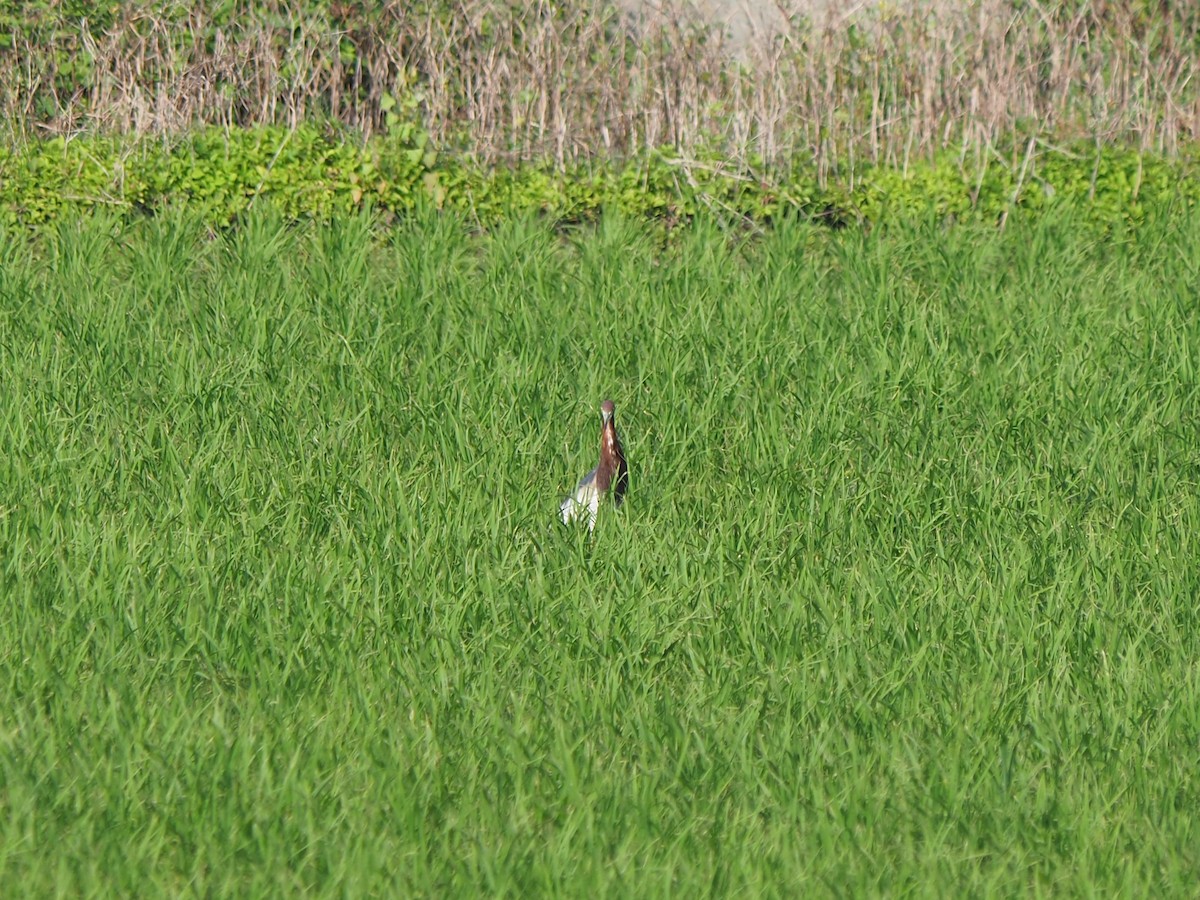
column 611, row 475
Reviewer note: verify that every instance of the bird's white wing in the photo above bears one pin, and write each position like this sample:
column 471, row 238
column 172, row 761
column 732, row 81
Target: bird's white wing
column 586, row 499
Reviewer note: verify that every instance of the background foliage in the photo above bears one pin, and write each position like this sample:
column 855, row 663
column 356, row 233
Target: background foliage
column 566, row 82
column 309, row 172
column 980, row 110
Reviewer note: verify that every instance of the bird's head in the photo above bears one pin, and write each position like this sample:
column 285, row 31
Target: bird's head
column 606, row 412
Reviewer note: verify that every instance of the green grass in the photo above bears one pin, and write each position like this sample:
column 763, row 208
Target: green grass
column 903, row 599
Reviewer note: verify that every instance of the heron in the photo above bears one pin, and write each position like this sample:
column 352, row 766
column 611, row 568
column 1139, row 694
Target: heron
column 610, row 475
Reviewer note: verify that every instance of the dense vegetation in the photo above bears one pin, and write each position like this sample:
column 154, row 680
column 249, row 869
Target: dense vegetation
column 903, row 598
column 309, row 173
column 492, row 108
column 881, row 84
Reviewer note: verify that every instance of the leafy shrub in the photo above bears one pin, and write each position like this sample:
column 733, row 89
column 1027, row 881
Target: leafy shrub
column 1113, row 185
column 309, row 172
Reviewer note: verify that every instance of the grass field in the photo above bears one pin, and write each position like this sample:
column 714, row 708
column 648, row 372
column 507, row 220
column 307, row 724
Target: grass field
column 903, row 599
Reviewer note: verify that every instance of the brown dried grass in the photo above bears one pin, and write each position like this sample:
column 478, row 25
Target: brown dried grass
column 571, row 81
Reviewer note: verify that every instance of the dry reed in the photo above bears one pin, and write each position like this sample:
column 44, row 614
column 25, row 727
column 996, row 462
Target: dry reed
column 578, row 79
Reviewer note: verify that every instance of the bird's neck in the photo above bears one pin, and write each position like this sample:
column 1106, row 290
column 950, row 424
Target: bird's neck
column 611, row 457
column 610, row 444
